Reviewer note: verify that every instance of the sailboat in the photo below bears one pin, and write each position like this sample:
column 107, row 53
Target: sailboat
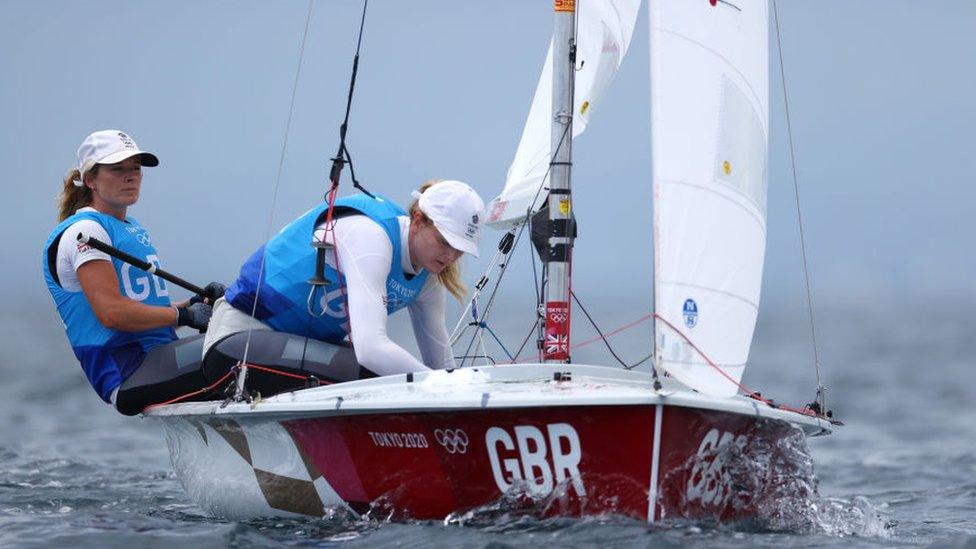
column 560, row 437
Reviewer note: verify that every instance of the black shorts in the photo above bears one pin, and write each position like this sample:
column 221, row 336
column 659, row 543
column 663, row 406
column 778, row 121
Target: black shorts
column 277, row 362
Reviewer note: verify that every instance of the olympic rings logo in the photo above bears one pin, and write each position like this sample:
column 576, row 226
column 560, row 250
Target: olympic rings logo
column 455, row 441
column 140, row 234
column 558, row 318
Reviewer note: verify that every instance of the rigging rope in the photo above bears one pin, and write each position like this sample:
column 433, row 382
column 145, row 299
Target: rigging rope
column 342, row 157
column 460, row 327
column 484, row 325
column 519, row 229
column 604, row 338
column 183, row 397
column 821, row 398
column 526, row 340
column 809, row 411
column 472, row 303
column 242, row 377
column 749, row 392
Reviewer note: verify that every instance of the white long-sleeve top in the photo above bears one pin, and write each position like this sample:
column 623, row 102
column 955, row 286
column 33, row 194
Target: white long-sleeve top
column 365, row 253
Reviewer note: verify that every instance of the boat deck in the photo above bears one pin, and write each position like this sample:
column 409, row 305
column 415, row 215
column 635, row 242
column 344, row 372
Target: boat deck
column 489, row 387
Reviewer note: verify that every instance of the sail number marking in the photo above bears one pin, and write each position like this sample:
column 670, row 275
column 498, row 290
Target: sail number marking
column 534, row 460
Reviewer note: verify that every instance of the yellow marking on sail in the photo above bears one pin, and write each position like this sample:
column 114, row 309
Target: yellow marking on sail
column 727, row 167
column 585, row 107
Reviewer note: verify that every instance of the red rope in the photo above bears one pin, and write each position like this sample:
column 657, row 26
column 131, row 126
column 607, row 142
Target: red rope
column 748, row 392
column 330, row 229
column 615, row 332
column 194, row 393
column 330, row 198
column 629, row 325
column 286, row 374
column 228, row 374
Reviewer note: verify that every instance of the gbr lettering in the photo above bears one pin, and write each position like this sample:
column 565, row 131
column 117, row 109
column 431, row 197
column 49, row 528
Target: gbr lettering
column 139, row 284
column 534, row 460
column 710, row 482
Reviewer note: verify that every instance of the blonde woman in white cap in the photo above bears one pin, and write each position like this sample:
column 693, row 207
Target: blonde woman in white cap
column 382, row 259
column 114, row 314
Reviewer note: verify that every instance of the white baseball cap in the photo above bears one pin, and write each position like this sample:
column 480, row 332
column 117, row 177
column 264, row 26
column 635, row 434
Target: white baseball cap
column 109, row 147
column 456, row 210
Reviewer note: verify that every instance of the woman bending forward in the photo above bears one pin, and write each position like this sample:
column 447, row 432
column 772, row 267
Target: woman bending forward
column 382, row 259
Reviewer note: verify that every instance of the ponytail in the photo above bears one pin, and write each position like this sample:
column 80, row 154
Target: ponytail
column 72, row 196
column 450, row 276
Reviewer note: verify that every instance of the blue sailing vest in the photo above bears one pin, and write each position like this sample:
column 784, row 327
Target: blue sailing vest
column 289, row 261
column 107, row 356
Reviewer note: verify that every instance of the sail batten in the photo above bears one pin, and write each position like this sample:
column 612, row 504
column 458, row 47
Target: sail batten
column 758, row 215
column 696, row 287
column 709, row 125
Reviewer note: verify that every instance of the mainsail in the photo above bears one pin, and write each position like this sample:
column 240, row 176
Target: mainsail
column 709, row 121
column 603, row 32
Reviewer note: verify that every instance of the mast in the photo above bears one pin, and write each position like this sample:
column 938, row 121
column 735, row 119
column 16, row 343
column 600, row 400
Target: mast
column 555, row 347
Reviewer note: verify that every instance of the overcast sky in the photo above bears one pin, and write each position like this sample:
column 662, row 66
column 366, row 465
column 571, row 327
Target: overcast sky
column 881, row 98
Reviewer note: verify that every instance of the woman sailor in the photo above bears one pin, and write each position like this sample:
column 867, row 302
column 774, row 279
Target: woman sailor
column 113, row 314
column 380, row 260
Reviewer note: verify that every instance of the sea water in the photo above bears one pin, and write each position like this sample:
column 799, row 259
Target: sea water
column 901, row 471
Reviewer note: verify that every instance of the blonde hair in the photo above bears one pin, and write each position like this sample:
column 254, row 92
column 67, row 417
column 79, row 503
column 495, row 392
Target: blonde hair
column 73, row 197
column 450, row 276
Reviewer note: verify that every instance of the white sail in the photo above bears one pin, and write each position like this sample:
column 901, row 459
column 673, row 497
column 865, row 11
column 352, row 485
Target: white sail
column 709, row 121
column 603, row 34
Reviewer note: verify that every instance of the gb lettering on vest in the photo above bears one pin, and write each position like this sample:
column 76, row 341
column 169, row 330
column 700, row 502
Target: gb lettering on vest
column 533, row 460
column 138, row 284
column 333, row 303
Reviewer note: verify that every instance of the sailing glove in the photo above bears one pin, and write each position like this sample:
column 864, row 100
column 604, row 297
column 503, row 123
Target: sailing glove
column 211, row 293
column 195, row 316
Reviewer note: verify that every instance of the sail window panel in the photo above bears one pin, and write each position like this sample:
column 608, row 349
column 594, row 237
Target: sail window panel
column 740, row 159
